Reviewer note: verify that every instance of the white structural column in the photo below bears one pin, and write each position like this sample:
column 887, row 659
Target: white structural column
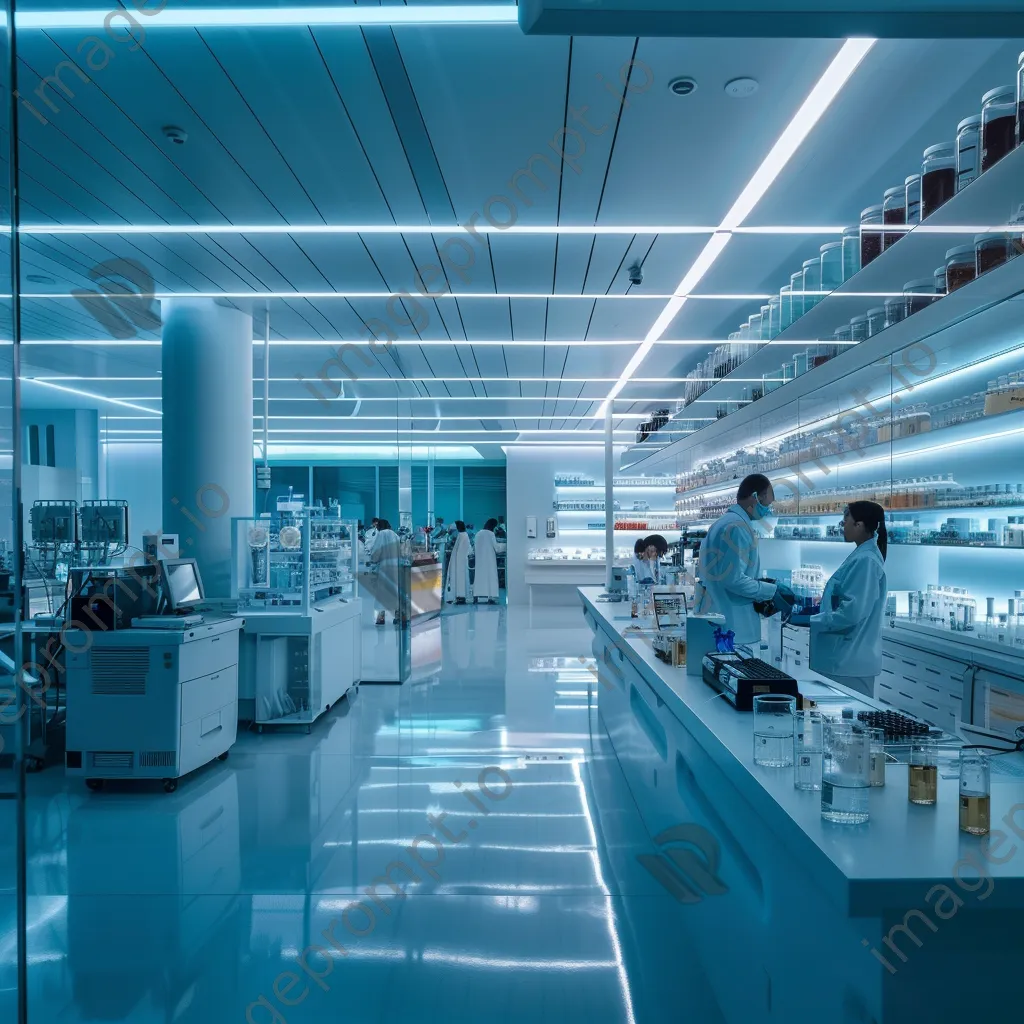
column 609, row 498
column 207, row 431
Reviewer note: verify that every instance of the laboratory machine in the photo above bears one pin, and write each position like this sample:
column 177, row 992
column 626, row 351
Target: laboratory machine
column 152, row 682
column 293, row 581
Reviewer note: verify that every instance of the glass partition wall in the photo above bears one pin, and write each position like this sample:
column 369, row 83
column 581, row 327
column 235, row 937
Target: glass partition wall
column 15, row 699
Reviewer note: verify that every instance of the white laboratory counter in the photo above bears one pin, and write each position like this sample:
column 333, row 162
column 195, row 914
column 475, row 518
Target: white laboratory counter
column 807, row 901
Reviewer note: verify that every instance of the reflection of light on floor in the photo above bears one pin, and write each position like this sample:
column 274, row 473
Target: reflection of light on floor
column 609, row 916
column 505, row 964
column 520, row 904
column 572, row 707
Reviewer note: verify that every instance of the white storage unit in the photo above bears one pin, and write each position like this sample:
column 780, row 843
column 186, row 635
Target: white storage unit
column 151, row 703
column 294, row 667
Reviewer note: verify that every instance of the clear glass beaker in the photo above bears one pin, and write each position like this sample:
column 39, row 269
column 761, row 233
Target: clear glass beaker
column 796, row 284
column 859, row 328
column 975, row 792
column 923, row 772
column 877, row 740
column 812, row 283
column 845, row 773
column 773, row 730
column 808, row 748
column 851, row 251
column 786, row 296
column 938, row 177
column 998, row 124
column 876, row 321
column 968, row 150
column 831, row 265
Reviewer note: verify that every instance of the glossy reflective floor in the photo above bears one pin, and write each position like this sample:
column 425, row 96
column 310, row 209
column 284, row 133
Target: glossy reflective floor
column 270, row 888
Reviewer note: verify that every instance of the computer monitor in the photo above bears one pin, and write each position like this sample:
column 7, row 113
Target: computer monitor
column 182, row 584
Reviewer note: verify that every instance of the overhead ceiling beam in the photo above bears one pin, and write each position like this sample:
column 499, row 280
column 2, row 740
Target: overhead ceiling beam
column 775, row 19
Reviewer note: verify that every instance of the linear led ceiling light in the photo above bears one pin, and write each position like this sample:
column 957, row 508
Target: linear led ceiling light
column 416, row 229
column 826, row 89
column 281, row 17
column 91, row 394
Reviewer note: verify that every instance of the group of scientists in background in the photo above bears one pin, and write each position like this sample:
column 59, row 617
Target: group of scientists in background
column 484, row 587
column 846, row 632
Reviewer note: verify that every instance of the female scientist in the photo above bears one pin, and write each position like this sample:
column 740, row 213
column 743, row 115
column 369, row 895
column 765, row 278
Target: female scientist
column 846, row 635
column 642, row 568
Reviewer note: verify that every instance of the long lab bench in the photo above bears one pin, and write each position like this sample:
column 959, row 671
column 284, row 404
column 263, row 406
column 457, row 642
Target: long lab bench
column 904, row 918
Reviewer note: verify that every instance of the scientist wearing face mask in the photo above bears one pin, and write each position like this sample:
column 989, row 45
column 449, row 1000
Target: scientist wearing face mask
column 846, row 635
column 730, row 566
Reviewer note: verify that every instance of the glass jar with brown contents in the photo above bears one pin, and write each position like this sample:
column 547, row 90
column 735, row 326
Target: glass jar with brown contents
column 870, row 234
column 894, row 211
column 968, row 150
column 960, row 267
column 992, row 251
column 998, row 124
column 938, row 177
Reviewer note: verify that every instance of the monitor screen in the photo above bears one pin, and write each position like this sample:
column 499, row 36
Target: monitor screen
column 184, row 588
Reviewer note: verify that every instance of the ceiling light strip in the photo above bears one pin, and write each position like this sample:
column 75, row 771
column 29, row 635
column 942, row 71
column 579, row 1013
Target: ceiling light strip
column 811, row 110
column 280, row 17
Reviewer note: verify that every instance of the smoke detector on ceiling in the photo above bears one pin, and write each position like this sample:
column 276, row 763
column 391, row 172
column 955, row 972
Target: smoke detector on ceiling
column 741, row 87
column 176, row 136
column 682, row 86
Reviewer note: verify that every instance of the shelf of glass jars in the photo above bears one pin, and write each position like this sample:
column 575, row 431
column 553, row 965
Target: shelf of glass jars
column 979, row 209
column 585, row 483
column 913, row 431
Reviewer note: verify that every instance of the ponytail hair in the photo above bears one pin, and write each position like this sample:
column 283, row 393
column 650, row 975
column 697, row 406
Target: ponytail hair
column 872, row 516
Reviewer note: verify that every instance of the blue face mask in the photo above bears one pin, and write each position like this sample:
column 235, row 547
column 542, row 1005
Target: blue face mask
column 762, row 511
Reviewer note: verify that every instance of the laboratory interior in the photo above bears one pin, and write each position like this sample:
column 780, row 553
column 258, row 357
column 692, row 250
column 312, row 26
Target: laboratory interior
column 511, row 512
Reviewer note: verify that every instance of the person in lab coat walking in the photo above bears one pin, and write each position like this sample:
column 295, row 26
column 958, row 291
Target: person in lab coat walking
column 846, row 635
column 457, row 588
column 730, row 567
column 385, row 557
column 485, row 580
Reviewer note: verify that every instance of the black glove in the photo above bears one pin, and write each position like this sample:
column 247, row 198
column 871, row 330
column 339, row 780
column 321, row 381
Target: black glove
column 801, row 619
column 784, row 593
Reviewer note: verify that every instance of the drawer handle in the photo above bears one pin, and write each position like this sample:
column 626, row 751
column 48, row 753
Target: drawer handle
column 217, row 676
column 215, row 640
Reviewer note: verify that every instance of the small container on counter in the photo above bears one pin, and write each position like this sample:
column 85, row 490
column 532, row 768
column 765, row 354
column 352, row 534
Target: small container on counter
column 870, row 234
column 912, row 191
column 992, row 251
column 940, row 279
column 796, row 284
column 895, row 309
column 961, row 267
column 876, row 321
column 812, row 283
column 975, row 792
column 843, row 334
column 755, row 328
column 831, row 265
column 859, row 328
column 766, row 322
column 786, row 297
column 998, row 124
column 923, row 772
column 918, row 295
column 968, row 151
column 877, row 740
column 894, row 211
column 938, row 177
column 801, row 362
column 851, row 251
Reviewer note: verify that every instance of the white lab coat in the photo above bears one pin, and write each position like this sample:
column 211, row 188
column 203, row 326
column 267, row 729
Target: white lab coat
column 846, row 637
column 385, row 554
column 485, row 580
column 643, row 569
column 457, row 584
column 729, row 569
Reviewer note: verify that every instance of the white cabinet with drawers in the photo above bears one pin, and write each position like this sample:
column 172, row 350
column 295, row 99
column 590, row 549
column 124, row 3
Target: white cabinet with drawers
column 151, row 703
